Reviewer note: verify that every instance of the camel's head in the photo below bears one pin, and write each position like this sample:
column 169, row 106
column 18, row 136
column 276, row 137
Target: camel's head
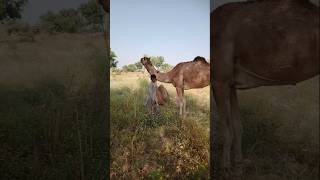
column 145, row 61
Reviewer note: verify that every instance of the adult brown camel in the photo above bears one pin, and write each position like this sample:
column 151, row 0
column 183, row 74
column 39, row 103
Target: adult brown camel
column 185, row 75
column 258, row 43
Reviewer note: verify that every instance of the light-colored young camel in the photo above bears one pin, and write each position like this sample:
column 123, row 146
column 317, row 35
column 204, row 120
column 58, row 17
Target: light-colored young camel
column 186, row 75
column 258, row 43
column 162, row 95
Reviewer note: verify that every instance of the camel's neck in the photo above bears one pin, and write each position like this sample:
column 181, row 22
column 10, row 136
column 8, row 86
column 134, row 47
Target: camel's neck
column 162, row 77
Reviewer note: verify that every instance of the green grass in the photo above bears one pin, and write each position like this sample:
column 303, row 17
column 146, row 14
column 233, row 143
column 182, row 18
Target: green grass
column 52, row 110
column 156, row 146
column 280, row 131
column 275, row 143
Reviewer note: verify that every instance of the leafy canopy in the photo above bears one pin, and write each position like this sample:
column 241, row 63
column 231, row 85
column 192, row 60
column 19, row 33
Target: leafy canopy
column 11, row 9
column 113, row 61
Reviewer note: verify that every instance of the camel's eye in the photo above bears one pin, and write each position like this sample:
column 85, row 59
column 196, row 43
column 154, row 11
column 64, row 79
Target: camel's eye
column 157, row 71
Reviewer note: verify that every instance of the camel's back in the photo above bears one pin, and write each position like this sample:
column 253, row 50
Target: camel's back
column 195, row 74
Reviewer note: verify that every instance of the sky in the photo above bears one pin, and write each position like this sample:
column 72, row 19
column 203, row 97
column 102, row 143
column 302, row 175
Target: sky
column 178, row 30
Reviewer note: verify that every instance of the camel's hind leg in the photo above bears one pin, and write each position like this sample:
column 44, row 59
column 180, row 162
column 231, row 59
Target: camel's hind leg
column 222, row 94
column 237, row 129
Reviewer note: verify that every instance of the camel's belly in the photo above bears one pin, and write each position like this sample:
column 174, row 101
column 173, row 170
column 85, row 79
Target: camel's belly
column 245, row 78
column 196, row 86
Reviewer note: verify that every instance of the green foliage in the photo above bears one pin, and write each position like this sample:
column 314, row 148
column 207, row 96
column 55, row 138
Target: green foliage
column 138, row 65
column 156, row 175
column 67, row 20
column 157, row 61
column 166, row 67
column 113, row 61
column 14, row 27
column 159, row 146
column 85, row 18
column 11, row 9
column 52, row 129
column 129, row 68
column 92, row 17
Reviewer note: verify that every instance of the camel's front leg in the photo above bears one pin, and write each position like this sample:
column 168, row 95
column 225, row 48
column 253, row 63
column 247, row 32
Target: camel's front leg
column 180, row 100
column 222, row 97
column 237, row 128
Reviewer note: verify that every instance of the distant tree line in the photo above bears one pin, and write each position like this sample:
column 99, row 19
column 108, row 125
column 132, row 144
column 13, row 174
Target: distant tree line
column 11, row 9
column 157, row 61
column 88, row 17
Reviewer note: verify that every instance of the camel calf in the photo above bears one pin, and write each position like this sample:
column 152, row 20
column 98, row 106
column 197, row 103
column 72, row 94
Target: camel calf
column 156, row 96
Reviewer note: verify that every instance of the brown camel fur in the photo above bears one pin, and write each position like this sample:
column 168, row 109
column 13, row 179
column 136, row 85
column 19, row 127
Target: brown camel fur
column 162, row 95
column 258, row 43
column 186, row 75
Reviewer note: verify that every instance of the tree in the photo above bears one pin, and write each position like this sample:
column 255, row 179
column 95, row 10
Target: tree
column 166, row 67
column 11, row 9
column 112, row 57
column 92, row 17
column 132, row 68
column 85, row 18
column 129, row 68
column 138, row 65
column 157, row 61
column 67, row 20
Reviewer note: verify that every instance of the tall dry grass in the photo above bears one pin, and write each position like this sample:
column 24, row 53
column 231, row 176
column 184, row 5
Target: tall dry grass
column 53, row 111
column 280, row 132
column 155, row 146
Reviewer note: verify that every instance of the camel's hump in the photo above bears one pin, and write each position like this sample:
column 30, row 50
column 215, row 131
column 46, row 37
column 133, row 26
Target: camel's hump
column 199, row 58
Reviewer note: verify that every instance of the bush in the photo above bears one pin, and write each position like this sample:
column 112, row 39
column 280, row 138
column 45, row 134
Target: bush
column 86, row 18
column 129, row 68
column 65, row 21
